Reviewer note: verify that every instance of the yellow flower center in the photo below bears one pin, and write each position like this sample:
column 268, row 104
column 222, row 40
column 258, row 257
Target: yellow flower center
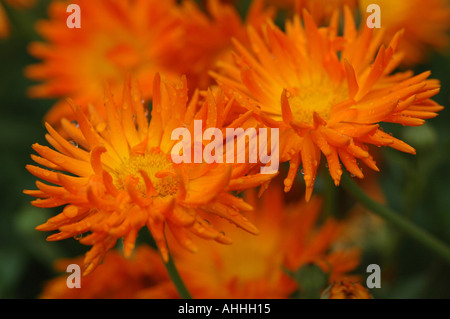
column 158, row 168
column 306, row 100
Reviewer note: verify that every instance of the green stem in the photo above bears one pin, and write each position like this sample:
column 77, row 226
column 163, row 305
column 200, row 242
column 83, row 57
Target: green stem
column 176, row 279
column 397, row 220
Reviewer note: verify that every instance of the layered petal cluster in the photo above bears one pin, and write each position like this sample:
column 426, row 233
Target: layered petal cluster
column 328, row 93
column 255, row 267
column 115, row 174
column 426, row 25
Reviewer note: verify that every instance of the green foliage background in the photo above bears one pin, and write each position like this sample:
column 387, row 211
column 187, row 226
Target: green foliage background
column 416, row 186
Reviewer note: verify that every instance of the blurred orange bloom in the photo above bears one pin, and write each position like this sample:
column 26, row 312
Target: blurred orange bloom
column 425, row 24
column 115, row 174
column 253, row 267
column 138, row 37
column 4, row 22
column 119, row 278
column 208, row 36
column 328, row 94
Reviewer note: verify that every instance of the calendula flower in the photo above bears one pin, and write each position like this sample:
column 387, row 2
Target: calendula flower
column 208, row 36
column 327, row 93
column 255, row 267
column 4, row 22
column 115, row 175
column 346, row 289
column 116, row 38
column 120, row 278
column 425, row 25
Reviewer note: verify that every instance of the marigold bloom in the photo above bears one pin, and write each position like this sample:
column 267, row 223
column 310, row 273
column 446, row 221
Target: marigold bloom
column 426, row 25
column 120, row 278
column 116, row 38
column 4, row 22
column 116, row 175
column 328, row 94
column 346, row 289
column 253, row 267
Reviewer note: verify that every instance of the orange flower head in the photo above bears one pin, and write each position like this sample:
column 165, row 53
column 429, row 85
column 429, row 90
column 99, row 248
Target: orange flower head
column 327, row 93
column 116, row 175
column 116, row 38
column 120, row 278
column 255, row 267
column 425, row 25
column 346, row 289
column 4, row 22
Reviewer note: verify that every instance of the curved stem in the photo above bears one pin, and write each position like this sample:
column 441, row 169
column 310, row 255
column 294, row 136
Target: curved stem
column 397, row 220
column 176, row 279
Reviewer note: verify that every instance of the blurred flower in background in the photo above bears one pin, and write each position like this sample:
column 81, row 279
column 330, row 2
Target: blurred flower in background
column 120, row 278
column 257, row 267
column 310, row 68
column 425, row 26
column 208, row 36
column 138, row 37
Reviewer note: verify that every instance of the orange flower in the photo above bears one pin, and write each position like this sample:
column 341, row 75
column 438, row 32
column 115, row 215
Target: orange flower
column 116, row 38
column 116, row 175
column 328, row 94
column 253, row 267
column 120, row 278
column 346, row 289
column 4, row 22
column 426, row 25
